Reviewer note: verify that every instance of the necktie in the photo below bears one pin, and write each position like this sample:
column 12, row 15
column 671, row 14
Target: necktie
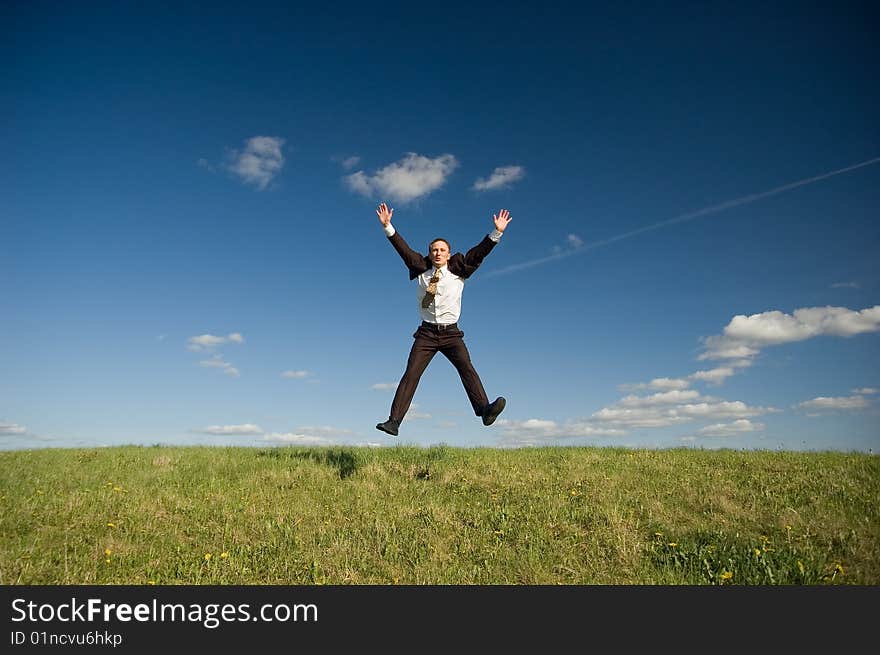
column 431, row 291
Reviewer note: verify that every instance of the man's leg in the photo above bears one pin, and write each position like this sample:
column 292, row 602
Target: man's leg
column 420, row 355
column 456, row 352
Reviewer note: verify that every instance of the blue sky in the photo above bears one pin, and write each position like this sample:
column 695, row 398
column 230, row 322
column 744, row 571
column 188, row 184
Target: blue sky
column 191, row 253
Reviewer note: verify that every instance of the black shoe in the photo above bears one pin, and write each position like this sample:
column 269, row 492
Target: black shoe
column 389, row 426
column 493, row 410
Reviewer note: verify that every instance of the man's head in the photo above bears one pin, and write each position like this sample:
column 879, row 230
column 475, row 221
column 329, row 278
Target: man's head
column 438, row 252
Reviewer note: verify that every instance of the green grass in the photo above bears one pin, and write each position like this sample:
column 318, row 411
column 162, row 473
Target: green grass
column 406, row 515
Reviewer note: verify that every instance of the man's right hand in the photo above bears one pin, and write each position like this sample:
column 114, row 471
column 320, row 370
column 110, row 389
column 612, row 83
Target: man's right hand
column 384, row 214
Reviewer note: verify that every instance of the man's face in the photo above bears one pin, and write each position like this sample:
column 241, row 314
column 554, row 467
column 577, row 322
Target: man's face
column 439, row 253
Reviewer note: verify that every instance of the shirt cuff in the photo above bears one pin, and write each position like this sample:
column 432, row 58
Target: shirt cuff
column 389, row 230
column 495, row 235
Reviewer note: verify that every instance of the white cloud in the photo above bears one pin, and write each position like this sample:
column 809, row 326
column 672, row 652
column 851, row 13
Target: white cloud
column 501, row 177
column 534, row 431
column 657, row 383
column 823, row 403
column 384, row 386
column 245, row 428
column 740, row 426
column 866, row 391
column 259, row 162
column 674, row 397
column 217, row 361
column 657, row 415
column 296, row 374
column 310, row 435
column 350, row 162
column 411, row 177
column 209, row 341
column 845, row 285
column 714, row 376
column 12, row 428
column 574, row 241
column 744, row 336
column 414, row 413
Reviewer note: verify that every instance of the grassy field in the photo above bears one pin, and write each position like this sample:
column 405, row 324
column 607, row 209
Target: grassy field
column 407, row 515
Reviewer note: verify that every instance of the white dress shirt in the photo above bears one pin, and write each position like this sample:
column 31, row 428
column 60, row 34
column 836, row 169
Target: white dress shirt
column 446, row 307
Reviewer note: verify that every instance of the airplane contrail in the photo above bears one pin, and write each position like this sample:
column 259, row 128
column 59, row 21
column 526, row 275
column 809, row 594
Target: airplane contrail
column 681, row 218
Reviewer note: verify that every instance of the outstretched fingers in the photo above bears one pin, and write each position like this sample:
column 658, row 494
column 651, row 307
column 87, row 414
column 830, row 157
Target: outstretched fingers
column 384, row 213
column 501, row 219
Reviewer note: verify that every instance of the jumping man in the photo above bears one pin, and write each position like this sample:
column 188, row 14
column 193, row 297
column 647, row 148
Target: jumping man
column 441, row 279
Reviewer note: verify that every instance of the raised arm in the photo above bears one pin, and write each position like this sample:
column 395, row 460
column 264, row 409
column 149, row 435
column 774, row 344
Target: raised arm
column 474, row 257
column 416, row 263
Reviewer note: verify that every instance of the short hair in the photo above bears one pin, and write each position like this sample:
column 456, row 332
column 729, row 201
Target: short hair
column 448, row 246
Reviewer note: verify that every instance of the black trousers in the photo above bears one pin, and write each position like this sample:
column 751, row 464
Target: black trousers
column 429, row 340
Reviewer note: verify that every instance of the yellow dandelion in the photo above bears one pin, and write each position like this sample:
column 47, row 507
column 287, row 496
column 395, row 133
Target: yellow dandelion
column 788, row 527
column 726, row 575
column 107, row 552
column 224, row 555
column 208, row 557
column 672, row 544
column 757, row 552
column 838, row 568
column 658, row 534
column 151, row 582
column 111, row 525
column 107, row 561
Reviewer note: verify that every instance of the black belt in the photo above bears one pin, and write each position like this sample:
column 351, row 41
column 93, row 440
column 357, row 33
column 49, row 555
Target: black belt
column 437, row 327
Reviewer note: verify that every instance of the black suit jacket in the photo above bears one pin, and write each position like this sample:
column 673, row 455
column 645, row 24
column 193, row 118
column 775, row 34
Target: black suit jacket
column 462, row 265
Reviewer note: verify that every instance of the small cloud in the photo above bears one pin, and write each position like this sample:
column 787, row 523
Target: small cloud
column 310, row 435
column 501, row 177
column 415, row 414
column 12, row 428
column 574, row 241
column 347, row 162
column 667, row 384
column 259, row 162
column 715, row 376
column 740, row 426
column 405, row 180
column 867, row 391
column 217, row 361
column 204, row 163
column 536, row 431
column 209, row 341
column 845, row 285
column 384, row 386
column 296, row 374
column 245, row 428
column 823, row 403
